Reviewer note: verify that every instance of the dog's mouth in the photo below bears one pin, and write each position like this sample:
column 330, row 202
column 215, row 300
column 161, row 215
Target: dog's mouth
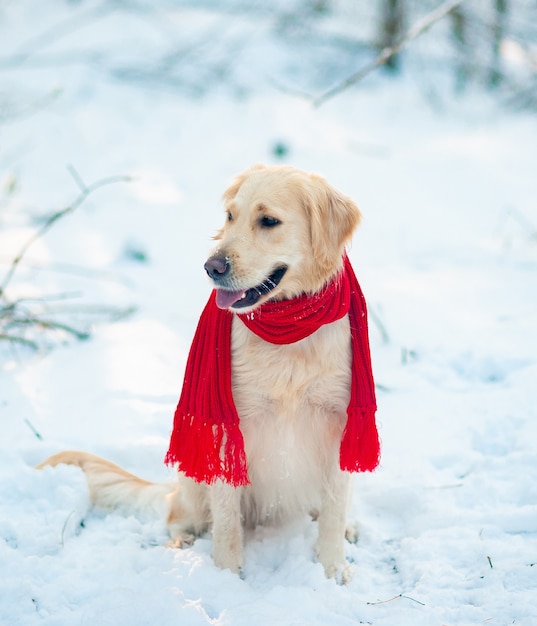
column 244, row 298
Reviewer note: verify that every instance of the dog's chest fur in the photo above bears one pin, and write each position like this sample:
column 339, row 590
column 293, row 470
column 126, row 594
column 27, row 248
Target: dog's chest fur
column 292, row 401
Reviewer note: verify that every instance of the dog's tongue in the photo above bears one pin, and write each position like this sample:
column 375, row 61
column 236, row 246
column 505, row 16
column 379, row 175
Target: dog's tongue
column 225, row 299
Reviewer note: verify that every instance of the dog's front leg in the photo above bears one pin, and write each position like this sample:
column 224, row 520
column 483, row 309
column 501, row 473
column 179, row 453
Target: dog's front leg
column 332, row 524
column 227, row 526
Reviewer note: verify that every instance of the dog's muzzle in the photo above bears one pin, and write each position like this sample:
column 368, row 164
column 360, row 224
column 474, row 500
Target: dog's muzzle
column 219, row 270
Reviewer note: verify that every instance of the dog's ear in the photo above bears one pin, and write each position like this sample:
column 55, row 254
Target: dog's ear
column 233, row 189
column 238, row 181
column 333, row 218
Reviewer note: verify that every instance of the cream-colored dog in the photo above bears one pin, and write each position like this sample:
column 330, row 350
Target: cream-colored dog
column 284, row 235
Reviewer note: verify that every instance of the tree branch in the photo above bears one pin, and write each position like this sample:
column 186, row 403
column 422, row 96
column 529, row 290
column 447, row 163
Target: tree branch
column 419, row 27
column 15, row 339
column 85, row 191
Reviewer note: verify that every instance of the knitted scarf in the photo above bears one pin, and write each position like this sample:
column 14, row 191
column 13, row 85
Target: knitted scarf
column 206, row 440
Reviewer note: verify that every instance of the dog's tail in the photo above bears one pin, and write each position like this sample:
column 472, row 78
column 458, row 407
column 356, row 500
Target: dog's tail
column 113, row 488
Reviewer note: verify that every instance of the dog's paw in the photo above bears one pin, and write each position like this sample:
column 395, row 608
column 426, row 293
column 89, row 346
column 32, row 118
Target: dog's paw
column 228, row 560
column 181, row 541
column 341, row 573
column 228, row 551
column 344, row 576
column 334, row 562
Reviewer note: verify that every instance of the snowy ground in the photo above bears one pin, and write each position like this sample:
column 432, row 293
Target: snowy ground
column 447, row 257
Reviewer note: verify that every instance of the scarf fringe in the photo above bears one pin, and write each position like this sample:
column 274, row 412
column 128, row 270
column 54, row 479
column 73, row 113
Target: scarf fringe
column 208, row 451
column 360, row 446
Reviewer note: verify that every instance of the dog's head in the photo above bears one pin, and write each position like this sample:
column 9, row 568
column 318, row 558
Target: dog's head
column 284, row 235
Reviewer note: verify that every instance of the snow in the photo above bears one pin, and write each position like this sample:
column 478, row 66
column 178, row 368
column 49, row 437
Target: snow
column 446, row 256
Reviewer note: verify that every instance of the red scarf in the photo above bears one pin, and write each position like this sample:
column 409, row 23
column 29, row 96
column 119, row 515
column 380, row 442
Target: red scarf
column 207, row 442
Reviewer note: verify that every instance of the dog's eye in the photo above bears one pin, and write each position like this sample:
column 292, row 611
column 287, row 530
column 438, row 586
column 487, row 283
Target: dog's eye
column 229, row 217
column 269, row 222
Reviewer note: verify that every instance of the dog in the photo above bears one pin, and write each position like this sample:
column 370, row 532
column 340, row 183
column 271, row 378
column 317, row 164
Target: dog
column 284, row 237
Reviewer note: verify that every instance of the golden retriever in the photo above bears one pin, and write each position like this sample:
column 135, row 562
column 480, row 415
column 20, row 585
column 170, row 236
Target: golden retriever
column 284, row 235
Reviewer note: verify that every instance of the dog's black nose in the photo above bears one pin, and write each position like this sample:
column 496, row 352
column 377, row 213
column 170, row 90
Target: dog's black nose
column 217, row 267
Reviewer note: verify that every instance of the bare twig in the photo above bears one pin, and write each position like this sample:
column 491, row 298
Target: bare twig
column 65, row 528
column 14, row 318
column 387, row 53
column 51, row 325
column 399, row 595
column 36, row 313
column 85, row 191
column 15, row 339
column 33, row 429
